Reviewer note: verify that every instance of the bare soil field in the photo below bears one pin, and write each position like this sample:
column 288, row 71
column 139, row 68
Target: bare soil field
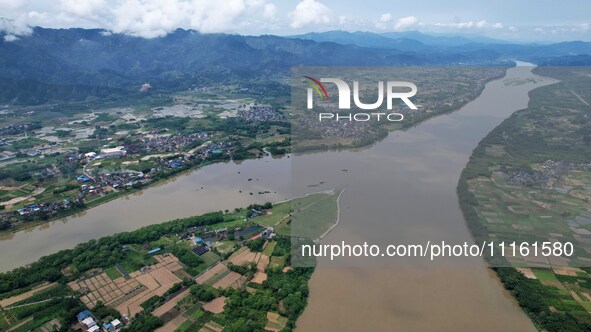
column 527, row 272
column 211, row 327
column 212, row 272
column 161, row 310
column 12, row 300
column 172, row 325
column 157, row 280
column 276, row 322
column 242, row 256
column 263, row 263
column 231, row 280
column 259, row 277
column 102, row 288
column 127, row 295
column 216, row 305
column 568, row 271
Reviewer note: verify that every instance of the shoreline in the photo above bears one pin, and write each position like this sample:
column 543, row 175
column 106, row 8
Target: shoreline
column 312, row 149
column 338, row 216
column 121, row 194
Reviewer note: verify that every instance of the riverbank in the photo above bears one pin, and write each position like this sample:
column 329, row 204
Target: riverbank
column 529, row 164
column 401, row 191
column 215, row 187
column 242, row 247
column 382, row 133
column 24, row 225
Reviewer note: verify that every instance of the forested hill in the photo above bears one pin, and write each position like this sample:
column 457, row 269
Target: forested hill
column 72, row 64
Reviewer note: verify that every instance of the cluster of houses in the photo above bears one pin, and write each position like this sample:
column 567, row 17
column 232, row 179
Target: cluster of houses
column 348, row 129
column 259, row 113
column 45, row 148
column 204, row 244
column 46, row 207
column 5, row 155
column 166, row 143
column 104, row 182
column 202, row 237
column 548, row 177
column 89, row 324
column 17, row 129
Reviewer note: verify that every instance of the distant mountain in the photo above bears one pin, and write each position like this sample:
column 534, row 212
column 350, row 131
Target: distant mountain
column 55, row 59
column 442, row 39
column 404, row 40
column 567, row 60
column 364, row 39
column 472, row 46
column 72, row 64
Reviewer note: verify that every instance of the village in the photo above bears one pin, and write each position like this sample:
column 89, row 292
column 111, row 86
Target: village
column 549, row 175
column 92, row 184
column 188, row 280
column 53, row 171
column 341, row 128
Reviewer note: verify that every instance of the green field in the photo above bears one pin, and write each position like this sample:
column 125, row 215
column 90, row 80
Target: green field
column 545, row 275
column 269, row 248
column 113, row 273
column 134, row 260
column 130, row 251
column 527, row 181
column 277, row 262
column 314, row 214
column 278, row 213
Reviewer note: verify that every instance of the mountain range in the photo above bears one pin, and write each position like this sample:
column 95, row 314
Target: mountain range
column 73, row 64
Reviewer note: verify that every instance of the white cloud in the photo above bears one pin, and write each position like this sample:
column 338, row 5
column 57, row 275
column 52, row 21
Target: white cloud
column 155, row 18
column 343, row 20
column 145, row 18
column 387, row 17
column 464, row 25
column 583, row 27
column 404, row 23
column 149, row 18
column 11, row 4
column 10, row 38
column 270, row 11
column 16, row 27
column 309, row 12
column 384, row 22
column 86, row 8
column 216, row 16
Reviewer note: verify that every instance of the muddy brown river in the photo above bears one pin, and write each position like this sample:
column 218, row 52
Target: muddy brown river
column 403, row 190
column 399, row 189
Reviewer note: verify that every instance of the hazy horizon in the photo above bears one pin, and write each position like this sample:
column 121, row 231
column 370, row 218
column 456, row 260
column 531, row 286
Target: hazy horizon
column 525, row 21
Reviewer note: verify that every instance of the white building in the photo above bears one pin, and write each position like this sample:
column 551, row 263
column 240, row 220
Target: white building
column 113, row 152
column 116, row 324
column 89, row 323
column 94, row 328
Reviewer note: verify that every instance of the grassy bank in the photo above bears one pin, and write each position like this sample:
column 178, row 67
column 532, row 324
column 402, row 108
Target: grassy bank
column 526, row 181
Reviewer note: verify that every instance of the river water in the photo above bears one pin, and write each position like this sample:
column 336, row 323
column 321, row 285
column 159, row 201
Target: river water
column 212, row 188
column 403, row 190
column 407, row 180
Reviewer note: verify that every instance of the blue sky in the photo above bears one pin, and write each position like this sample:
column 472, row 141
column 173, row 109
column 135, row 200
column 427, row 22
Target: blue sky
column 540, row 21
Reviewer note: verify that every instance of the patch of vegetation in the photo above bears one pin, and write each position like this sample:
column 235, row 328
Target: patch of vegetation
column 554, row 127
